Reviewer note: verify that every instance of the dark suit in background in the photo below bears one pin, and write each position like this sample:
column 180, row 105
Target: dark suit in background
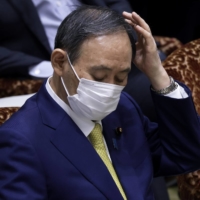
column 23, row 42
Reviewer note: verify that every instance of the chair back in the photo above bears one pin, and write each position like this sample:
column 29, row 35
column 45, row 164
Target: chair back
column 184, row 66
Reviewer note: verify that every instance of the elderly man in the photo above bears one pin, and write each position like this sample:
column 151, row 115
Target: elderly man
column 80, row 136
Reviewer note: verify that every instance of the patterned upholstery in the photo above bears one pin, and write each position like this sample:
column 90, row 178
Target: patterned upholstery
column 11, row 87
column 5, row 113
column 184, row 65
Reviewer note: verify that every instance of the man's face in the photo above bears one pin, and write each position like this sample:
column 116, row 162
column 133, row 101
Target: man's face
column 104, row 59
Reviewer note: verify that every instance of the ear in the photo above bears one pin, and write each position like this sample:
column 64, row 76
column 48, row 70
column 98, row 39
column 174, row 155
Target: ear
column 59, row 61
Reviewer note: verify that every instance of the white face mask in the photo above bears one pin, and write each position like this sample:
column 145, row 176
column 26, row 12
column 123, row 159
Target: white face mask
column 94, row 100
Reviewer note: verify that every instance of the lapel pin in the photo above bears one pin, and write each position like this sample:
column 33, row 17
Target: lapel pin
column 118, row 131
column 114, row 143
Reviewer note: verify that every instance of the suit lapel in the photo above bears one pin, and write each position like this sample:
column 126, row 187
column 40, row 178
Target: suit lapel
column 72, row 143
column 29, row 15
column 121, row 159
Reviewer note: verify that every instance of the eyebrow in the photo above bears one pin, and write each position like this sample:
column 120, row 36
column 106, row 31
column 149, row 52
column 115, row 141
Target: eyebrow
column 103, row 67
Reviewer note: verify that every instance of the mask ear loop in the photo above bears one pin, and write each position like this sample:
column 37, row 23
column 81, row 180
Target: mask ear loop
column 74, row 73
column 73, row 68
column 64, row 86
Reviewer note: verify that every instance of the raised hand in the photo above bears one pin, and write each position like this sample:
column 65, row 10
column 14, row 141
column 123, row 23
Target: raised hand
column 147, row 58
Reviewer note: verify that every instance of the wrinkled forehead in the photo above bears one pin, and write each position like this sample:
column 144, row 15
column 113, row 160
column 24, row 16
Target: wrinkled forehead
column 113, row 51
column 107, row 46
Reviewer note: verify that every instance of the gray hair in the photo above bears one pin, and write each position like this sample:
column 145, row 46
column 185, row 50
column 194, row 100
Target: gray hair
column 86, row 22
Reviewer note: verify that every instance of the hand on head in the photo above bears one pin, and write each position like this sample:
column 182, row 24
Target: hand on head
column 147, row 58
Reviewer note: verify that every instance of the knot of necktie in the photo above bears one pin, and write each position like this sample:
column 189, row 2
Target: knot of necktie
column 96, row 136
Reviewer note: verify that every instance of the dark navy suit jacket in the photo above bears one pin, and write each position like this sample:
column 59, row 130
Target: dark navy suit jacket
column 44, row 155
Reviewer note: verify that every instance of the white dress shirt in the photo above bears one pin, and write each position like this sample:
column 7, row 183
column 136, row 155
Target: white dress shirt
column 52, row 13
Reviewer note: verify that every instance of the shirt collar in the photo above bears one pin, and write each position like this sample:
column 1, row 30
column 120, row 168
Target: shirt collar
column 84, row 124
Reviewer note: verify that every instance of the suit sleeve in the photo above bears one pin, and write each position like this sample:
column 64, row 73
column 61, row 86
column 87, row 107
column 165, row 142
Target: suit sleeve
column 15, row 62
column 174, row 142
column 178, row 136
column 21, row 174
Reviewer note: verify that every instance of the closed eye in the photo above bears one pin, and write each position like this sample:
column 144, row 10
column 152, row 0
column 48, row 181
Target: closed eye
column 98, row 79
column 122, row 77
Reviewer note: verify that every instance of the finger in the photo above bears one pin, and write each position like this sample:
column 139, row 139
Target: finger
column 142, row 32
column 132, row 23
column 140, row 21
column 127, row 15
column 145, row 35
column 136, row 19
column 139, row 36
